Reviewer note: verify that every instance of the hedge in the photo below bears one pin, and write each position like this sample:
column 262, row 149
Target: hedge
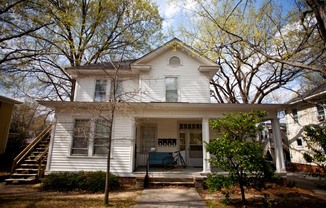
column 86, row 181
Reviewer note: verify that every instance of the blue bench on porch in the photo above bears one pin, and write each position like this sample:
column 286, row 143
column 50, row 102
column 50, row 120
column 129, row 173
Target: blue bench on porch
column 156, row 158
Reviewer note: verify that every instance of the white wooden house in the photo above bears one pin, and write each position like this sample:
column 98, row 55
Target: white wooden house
column 165, row 106
column 301, row 111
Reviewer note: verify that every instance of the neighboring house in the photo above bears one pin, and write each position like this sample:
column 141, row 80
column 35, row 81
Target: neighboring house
column 165, row 106
column 301, row 111
column 6, row 107
column 266, row 137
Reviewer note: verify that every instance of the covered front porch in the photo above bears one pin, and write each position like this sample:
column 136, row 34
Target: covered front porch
column 165, row 135
column 157, row 131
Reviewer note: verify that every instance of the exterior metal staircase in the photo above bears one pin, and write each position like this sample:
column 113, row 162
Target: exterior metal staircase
column 29, row 165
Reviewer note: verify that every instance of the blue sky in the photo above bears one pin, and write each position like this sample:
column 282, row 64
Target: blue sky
column 175, row 15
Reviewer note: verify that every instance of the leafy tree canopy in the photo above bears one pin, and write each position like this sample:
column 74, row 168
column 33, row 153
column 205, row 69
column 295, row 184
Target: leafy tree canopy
column 236, row 150
column 74, row 33
column 315, row 136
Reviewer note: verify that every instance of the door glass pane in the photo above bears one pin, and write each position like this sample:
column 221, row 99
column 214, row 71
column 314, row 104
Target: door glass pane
column 182, row 141
column 195, row 145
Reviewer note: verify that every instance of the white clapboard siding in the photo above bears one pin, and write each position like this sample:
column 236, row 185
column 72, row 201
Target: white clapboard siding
column 306, row 115
column 122, row 143
column 130, row 90
column 193, row 85
column 85, row 89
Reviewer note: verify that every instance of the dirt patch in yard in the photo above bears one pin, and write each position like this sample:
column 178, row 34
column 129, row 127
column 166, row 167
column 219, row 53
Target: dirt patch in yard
column 33, row 196
column 30, row 196
column 272, row 196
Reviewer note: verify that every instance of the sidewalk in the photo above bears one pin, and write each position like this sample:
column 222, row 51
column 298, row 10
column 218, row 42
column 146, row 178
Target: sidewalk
column 170, row 198
column 302, row 180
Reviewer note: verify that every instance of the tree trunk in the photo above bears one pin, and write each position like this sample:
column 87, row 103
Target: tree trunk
column 240, row 179
column 107, row 178
column 319, row 9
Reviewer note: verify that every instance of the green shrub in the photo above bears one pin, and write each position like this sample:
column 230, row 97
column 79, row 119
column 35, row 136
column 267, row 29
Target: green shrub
column 216, row 182
column 86, row 181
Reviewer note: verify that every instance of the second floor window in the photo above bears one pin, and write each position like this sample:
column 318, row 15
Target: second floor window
column 100, row 91
column 295, row 115
column 299, row 142
column 320, row 110
column 171, row 89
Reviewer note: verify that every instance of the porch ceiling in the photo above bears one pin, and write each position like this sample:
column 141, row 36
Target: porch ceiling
column 196, row 109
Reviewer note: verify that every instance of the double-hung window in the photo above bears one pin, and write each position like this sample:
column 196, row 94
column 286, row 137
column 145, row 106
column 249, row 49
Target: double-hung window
column 320, row 110
column 81, row 137
column 299, row 142
column 101, row 137
column 295, row 115
column 100, row 91
column 171, row 89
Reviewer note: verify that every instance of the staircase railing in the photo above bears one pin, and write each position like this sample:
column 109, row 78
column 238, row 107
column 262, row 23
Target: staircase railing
column 40, row 159
column 29, row 148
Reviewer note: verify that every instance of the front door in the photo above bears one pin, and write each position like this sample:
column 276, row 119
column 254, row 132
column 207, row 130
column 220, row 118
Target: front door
column 195, row 149
column 191, row 147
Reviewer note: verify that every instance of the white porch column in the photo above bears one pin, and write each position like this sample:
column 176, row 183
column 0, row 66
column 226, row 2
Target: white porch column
column 278, row 148
column 206, row 155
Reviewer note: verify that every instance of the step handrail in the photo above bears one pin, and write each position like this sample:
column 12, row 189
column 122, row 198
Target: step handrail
column 40, row 159
column 29, row 147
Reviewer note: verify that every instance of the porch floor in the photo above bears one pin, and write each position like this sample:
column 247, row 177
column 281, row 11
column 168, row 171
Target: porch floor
column 177, row 172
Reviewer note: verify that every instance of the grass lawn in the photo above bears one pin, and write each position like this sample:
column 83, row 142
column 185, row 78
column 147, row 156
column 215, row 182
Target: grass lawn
column 30, row 196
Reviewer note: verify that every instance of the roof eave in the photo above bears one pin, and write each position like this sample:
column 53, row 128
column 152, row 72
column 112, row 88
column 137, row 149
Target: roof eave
column 9, row 100
column 307, row 98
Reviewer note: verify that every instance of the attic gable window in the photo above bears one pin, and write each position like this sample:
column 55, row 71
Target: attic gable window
column 100, row 91
column 174, row 61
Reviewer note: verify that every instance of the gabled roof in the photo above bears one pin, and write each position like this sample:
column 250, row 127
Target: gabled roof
column 311, row 94
column 136, row 65
column 174, row 43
